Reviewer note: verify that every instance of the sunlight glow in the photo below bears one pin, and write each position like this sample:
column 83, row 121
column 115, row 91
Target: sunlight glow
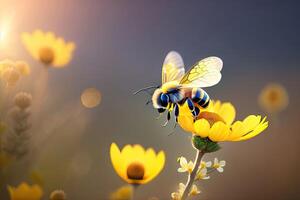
column 5, row 29
column 2, row 35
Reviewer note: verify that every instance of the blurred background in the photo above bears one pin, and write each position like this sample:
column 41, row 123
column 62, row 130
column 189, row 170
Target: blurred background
column 120, row 47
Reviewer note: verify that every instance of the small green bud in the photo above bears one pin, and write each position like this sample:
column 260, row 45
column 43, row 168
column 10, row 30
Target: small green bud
column 205, row 144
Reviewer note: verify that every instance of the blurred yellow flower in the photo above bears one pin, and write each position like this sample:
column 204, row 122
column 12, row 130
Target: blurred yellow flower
column 177, row 195
column 185, row 166
column 11, row 76
column 216, row 123
column 5, row 64
column 194, row 191
column 136, row 165
column 122, row 193
column 273, row 98
column 23, row 67
column 25, row 192
column 11, row 71
column 48, row 48
column 58, row 195
column 23, row 100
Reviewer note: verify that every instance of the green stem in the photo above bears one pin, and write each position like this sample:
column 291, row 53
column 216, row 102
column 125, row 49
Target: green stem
column 192, row 175
column 134, row 188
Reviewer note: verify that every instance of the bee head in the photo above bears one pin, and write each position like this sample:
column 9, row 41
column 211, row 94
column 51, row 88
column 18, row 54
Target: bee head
column 160, row 100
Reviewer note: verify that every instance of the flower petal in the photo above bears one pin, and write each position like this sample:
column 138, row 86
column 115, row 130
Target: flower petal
column 157, row 166
column 202, row 127
column 259, row 129
column 251, row 122
column 185, row 118
column 117, row 161
column 237, row 130
column 227, row 112
column 219, row 132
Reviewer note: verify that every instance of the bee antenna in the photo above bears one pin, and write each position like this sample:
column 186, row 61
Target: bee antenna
column 145, row 89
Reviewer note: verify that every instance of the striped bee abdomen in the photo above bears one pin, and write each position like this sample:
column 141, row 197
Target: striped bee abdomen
column 200, row 97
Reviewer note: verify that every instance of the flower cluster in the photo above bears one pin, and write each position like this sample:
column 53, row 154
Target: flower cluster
column 18, row 135
column 202, row 173
column 50, row 50
column 11, row 71
column 25, row 191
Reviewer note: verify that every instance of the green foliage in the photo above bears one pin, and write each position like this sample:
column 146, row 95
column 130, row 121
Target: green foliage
column 205, row 144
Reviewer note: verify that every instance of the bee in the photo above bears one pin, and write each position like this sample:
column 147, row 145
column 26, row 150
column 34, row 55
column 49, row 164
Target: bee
column 179, row 87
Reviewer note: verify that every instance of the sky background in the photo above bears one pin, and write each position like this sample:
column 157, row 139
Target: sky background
column 120, row 47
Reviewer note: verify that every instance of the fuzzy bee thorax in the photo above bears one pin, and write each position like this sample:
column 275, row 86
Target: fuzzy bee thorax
column 169, row 85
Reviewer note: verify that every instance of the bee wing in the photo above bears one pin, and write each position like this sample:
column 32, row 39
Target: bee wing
column 205, row 73
column 173, row 67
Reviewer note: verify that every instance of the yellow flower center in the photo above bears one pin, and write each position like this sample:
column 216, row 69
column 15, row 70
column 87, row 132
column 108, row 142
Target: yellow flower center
column 46, row 55
column 273, row 96
column 135, row 171
column 216, row 165
column 210, row 117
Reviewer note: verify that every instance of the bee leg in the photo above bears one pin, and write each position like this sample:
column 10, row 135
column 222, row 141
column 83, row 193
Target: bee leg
column 191, row 106
column 176, row 111
column 196, row 112
column 160, row 111
column 168, row 119
column 148, row 102
column 173, row 130
column 159, row 116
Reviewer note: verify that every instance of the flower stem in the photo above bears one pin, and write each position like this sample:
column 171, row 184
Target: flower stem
column 134, row 188
column 192, row 175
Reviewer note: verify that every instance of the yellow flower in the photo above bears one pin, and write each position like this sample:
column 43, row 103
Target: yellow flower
column 122, row 193
column 6, row 64
column 217, row 123
column 136, row 165
column 25, row 192
column 23, row 67
column 219, row 165
column 48, row 48
column 11, row 71
column 273, row 98
column 205, row 164
column 58, row 195
column 177, row 195
column 202, row 174
column 185, row 166
column 11, row 76
column 194, row 191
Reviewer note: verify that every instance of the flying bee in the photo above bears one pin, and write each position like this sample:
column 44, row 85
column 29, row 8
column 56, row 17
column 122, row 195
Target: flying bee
column 179, row 87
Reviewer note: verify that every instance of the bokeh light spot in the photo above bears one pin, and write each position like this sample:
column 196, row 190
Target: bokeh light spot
column 90, row 98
